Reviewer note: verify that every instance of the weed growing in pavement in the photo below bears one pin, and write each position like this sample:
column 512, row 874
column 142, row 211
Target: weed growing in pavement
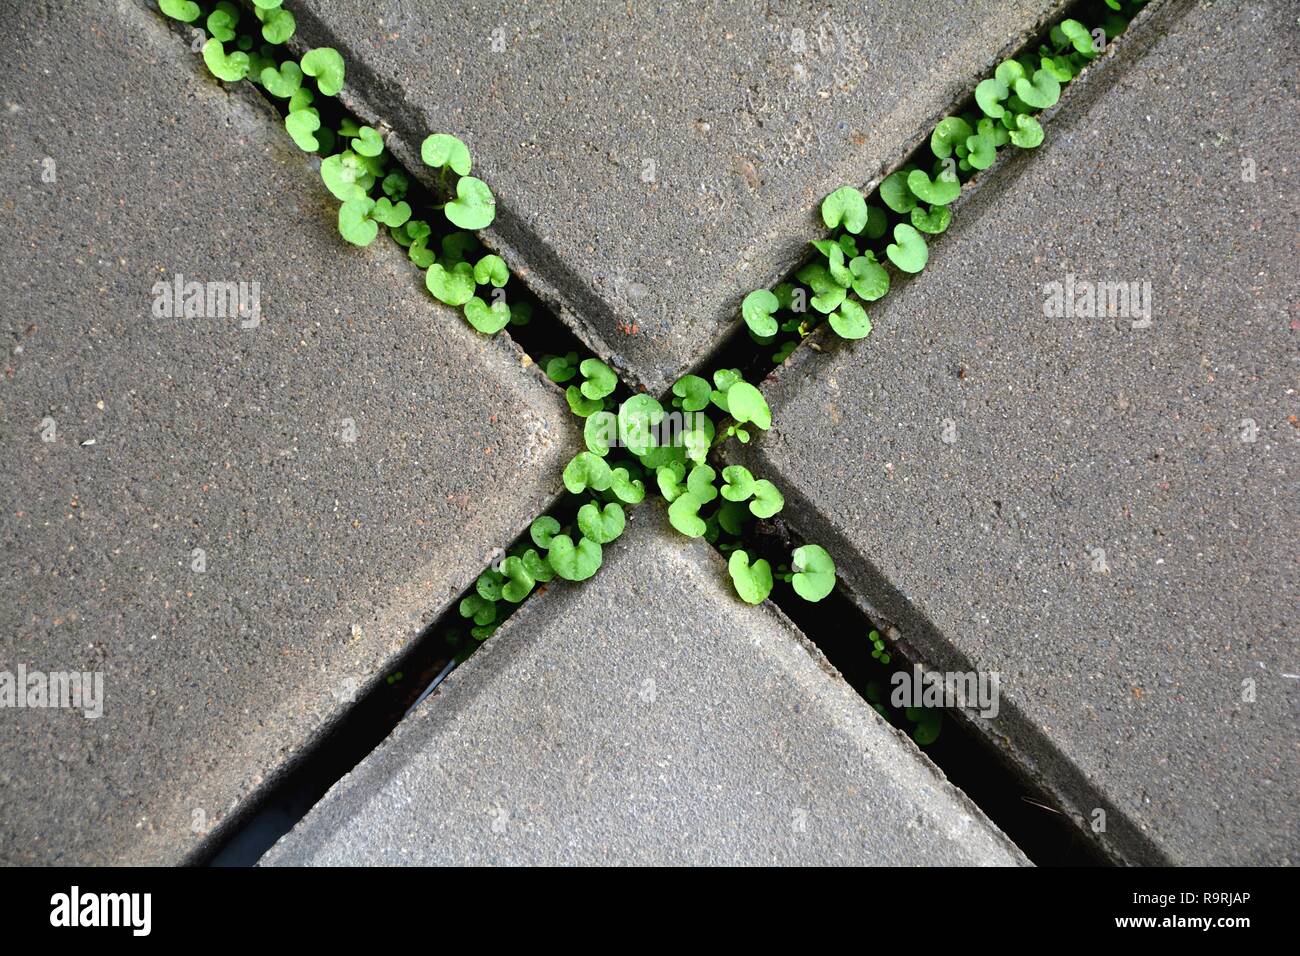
column 633, row 440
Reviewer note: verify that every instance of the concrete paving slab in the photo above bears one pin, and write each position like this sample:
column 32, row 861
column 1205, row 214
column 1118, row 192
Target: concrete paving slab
column 237, row 527
column 646, row 717
column 653, row 163
column 1099, row 508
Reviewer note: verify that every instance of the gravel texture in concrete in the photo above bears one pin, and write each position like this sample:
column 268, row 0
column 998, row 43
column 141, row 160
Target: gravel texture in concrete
column 655, row 162
column 238, row 521
column 1099, row 508
column 647, row 717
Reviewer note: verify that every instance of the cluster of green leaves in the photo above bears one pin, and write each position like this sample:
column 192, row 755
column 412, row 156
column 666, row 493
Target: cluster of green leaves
column 240, row 44
column 870, row 239
column 551, row 552
column 637, row 441
column 356, row 166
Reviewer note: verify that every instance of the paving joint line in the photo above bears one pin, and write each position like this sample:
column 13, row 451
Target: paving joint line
column 551, row 299
column 1080, row 95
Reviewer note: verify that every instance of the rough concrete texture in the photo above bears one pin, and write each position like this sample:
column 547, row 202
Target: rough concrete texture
column 655, row 162
column 323, row 558
column 1156, row 681
column 648, row 717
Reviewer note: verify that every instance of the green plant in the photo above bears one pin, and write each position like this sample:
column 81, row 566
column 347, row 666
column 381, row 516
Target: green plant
column 229, row 67
column 325, row 65
column 474, row 206
column 444, row 151
column 183, row 10
column 454, row 286
column 278, row 25
column 913, row 202
column 814, row 576
column 624, row 449
column 574, row 562
column 753, row 581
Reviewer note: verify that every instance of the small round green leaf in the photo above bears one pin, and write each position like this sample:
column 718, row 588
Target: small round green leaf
column 757, row 309
column 580, row 404
column 814, row 572
column 627, row 489
column 231, row 67
column 574, row 563
column 851, row 321
column 908, row 251
column 937, row 192
column 745, row 403
column 684, row 515
column 222, row 20
column 637, row 418
column 355, row 224
column 753, row 581
column 389, row 213
column 693, row 392
column 368, row 142
column 768, row 499
column 302, row 125
column 518, row 581
column 284, row 82
column 600, row 432
column 846, row 205
column 951, row 132
column 474, row 206
column 542, row 530
column 326, row 65
column 183, row 10
column 870, row 278
column 990, row 94
column 600, row 378
column 934, row 222
column 444, row 150
column 601, row 525
column 454, row 286
column 277, row 26
column 739, row 483
column 1028, row 132
column 1040, row 92
column 491, row 269
column 585, row 471
column 488, row 319
column 896, row 194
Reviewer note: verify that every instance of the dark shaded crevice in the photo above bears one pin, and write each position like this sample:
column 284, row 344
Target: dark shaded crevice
column 839, row 626
column 357, row 731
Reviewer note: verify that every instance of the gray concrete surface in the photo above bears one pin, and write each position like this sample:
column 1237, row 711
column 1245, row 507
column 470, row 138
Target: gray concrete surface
column 1156, row 681
column 324, row 558
column 646, row 717
column 653, row 163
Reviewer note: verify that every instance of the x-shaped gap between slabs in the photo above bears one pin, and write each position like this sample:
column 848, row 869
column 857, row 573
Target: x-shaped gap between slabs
column 549, row 326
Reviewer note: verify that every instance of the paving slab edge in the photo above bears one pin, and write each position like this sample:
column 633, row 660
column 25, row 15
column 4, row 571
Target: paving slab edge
column 918, row 637
column 823, row 338
column 463, row 686
column 507, row 242
column 439, row 602
column 550, row 279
